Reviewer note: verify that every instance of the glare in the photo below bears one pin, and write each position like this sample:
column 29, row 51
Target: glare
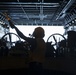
column 49, row 30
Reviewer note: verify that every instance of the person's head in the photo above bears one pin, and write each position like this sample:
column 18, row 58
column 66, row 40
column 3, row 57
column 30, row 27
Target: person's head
column 39, row 32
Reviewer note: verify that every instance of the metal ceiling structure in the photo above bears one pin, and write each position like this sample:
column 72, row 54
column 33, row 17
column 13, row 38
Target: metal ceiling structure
column 39, row 12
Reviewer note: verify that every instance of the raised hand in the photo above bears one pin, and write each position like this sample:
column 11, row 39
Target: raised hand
column 9, row 20
column 6, row 16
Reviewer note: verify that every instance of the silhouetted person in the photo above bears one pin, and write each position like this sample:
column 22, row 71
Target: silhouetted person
column 37, row 45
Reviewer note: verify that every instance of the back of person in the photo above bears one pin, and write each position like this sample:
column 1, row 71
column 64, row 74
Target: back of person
column 38, row 55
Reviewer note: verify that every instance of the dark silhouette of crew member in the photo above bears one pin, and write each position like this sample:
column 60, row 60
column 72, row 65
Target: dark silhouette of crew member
column 37, row 45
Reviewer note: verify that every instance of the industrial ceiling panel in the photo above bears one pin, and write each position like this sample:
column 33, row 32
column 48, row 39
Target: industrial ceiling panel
column 33, row 12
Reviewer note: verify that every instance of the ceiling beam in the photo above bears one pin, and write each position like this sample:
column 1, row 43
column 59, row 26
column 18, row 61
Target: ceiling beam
column 26, row 3
column 68, row 5
column 16, row 4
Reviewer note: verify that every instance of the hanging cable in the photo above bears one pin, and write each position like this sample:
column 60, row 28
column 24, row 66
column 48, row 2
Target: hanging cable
column 23, row 9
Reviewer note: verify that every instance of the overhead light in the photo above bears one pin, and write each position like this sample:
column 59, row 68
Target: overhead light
column 72, row 21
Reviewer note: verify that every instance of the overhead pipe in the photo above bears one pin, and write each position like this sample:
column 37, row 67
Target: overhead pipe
column 29, row 3
column 68, row 5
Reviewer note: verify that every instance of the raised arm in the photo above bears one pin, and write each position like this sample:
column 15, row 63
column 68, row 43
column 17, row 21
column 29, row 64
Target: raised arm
column 13, row 26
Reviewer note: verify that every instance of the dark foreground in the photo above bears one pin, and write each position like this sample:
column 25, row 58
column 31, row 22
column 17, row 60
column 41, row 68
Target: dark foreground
column 24, row 71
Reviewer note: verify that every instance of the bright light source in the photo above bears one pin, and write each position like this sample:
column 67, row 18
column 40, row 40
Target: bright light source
column 72, row 21
column 49, row 30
